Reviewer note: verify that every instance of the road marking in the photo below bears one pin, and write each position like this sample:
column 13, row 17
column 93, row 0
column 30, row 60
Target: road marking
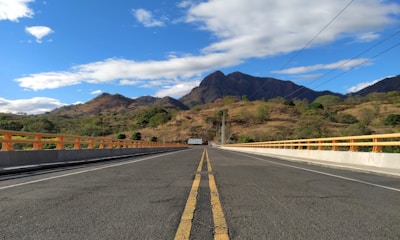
column 220, row 226
column 326, row 174
column 185, row 225
column 83, row 171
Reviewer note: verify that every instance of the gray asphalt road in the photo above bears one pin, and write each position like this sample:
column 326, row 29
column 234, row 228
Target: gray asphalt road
column 144, row 197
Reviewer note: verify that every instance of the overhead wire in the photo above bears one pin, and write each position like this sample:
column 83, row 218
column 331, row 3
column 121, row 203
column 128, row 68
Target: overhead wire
column 317, row 35
column 363, row 62
column 346, row 62
column 312, row 39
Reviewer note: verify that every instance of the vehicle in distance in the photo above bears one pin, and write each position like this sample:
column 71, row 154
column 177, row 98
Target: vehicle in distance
column 195, row 141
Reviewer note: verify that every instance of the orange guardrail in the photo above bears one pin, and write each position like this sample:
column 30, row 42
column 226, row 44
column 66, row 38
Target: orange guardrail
column 351, row 143
column 41, row 141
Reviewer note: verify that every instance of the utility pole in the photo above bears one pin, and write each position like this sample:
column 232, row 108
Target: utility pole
column 223, row 129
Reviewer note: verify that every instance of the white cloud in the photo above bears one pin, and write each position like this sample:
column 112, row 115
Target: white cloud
column 360, row 86
column 39, row 32
column 128, row 72
column 146, row 18
column 345, row 64
column 12, row 10
column 368, row 37
column 178, row 89
column 185, row 4
column 363, row 85
column 275, row 27
column 127, row 82
column 96, row 92
column 34, row 105
column 272, row 28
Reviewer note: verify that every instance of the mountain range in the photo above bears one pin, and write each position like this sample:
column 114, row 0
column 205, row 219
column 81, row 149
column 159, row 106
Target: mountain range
column 218, row 85
column 237, row 84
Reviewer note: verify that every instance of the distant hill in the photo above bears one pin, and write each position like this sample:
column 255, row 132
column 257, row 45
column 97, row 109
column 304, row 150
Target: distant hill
column 166, row 102
column 218, row 85
column 214, row 86
column 385, row 85
column 104, row 103
column 107, row 103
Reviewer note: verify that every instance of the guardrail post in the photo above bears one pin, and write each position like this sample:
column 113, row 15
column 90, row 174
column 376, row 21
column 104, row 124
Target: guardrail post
column 7, row 144
column 352, row 147
column 37, row 145
column 110, row 144
column 309, row 147
column 376, row 148
column 101, row 143
column 91, row 143
column 334, row 147
column 320, row 147
column 60, row 143
column 77, row 144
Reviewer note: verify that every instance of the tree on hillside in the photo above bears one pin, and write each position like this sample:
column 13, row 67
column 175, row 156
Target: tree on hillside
column 42, row 125
column 393, row 97
column 262, row 113
column 227, row 100
column 392, row 120
column 328, row 100
column 153, row 139
column 121, row 136
column 136, row 136
column 11, row 125
column 367, row 115
column 153, row 116
column 311, row 125
column 356, row 129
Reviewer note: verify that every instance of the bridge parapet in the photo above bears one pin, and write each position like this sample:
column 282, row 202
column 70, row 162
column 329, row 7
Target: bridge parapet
column 41, row 141
column 373, row 143
column 366, row 153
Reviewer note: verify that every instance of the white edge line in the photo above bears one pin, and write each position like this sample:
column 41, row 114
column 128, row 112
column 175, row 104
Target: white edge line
column 326, row 174
column 83, row 171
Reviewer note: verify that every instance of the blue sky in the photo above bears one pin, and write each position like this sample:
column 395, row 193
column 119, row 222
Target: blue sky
column 55, row 53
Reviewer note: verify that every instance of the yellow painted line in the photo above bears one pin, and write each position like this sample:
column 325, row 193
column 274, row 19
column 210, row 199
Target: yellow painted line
column 209, row 168
column 185, row 225
column 201, row 161
column 220, row 226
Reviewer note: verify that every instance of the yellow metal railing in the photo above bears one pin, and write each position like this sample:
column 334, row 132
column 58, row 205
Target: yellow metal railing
column 40, row 141
column 351, row 143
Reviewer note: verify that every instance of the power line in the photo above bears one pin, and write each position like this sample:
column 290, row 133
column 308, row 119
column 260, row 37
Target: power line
column 312, row 40
column 317, row 35
column 344, row 63
column 353, row 67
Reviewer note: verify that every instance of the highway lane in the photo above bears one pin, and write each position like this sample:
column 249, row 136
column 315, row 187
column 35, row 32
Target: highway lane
column 264, row 198
column 139, row 198
column 144, row 198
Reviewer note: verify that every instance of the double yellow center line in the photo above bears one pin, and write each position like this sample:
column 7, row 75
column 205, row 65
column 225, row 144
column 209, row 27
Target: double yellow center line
column 185, row 225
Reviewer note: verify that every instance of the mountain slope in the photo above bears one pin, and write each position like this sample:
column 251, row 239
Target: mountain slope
column 385, row 85
column 107, row 103
column 217, row 85
column 166, row 102
column 104, row 103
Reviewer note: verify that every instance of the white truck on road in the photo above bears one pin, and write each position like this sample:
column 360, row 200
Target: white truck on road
column 195, row 141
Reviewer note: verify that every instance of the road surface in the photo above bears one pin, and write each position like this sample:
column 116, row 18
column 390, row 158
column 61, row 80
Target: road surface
column 233, row 196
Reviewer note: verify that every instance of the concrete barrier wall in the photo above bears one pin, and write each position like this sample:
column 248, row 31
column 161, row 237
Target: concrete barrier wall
column 21, row 158
column 372, row 159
